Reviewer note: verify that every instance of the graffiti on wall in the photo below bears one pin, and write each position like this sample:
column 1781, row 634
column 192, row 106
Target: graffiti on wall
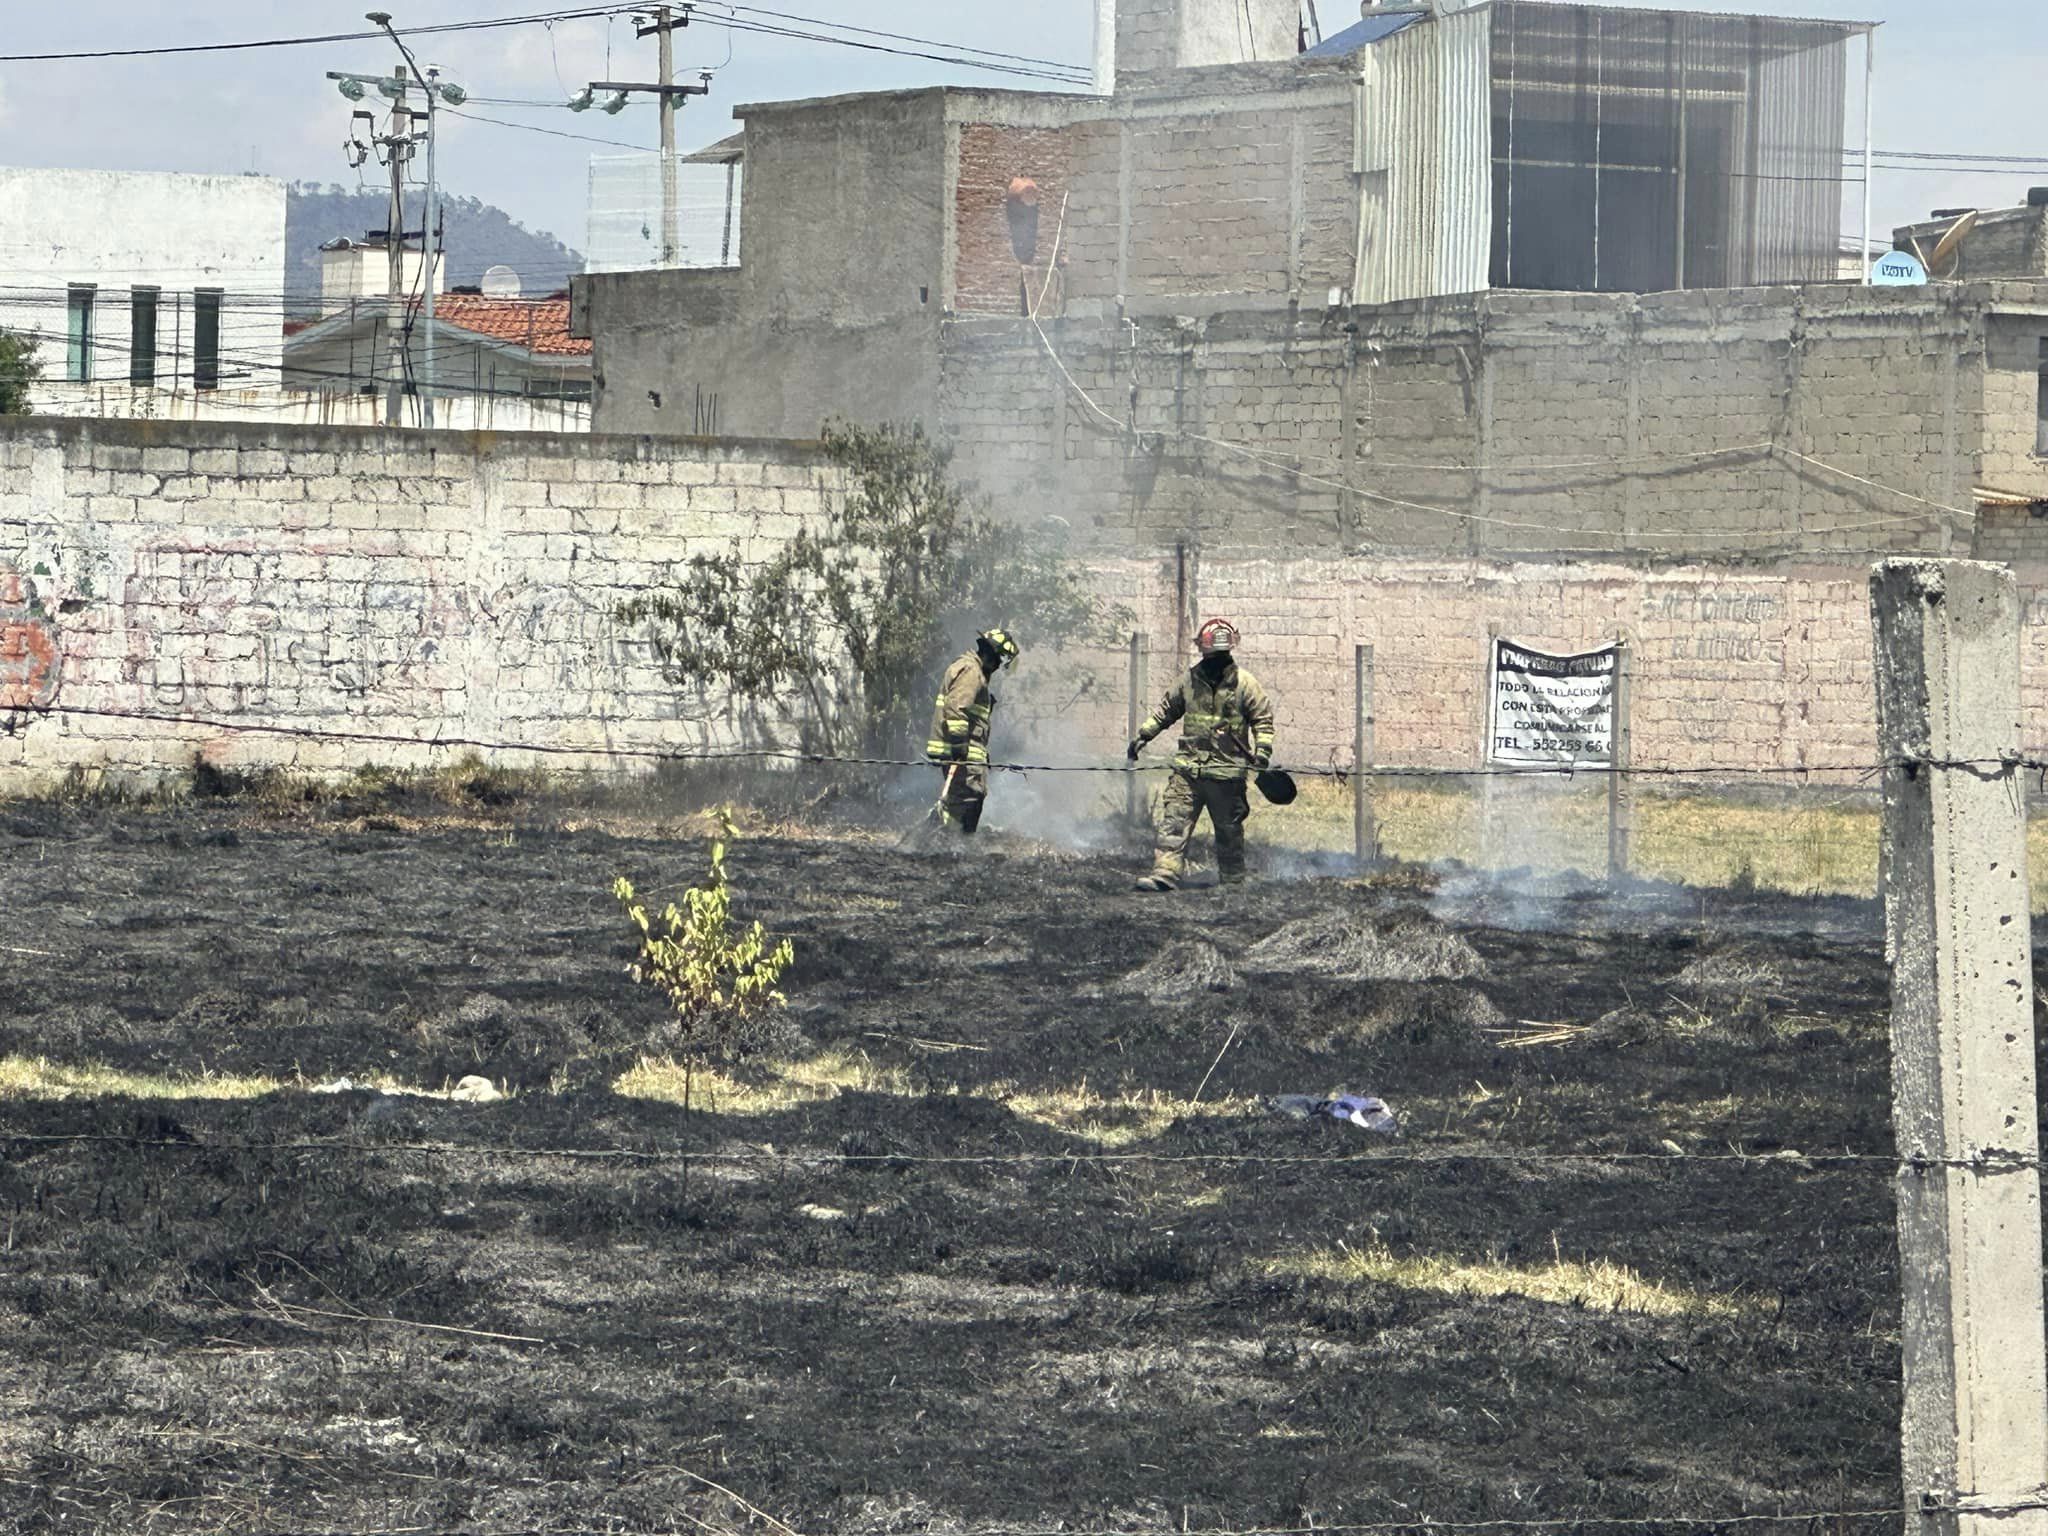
column 1719, row 624
column 239, row 627
column 231, row 627
column 31, row 665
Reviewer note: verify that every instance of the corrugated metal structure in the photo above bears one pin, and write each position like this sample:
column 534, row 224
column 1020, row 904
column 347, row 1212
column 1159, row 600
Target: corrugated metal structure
column 1423, row 141
column 1533, row 144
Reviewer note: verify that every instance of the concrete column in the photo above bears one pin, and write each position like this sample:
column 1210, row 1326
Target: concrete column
column 1974, row 1429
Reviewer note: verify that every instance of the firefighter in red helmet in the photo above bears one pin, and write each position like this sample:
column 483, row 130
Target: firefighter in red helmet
column 1226, row 731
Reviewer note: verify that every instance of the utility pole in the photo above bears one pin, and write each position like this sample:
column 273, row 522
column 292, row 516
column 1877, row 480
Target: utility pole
column 400, row 144
column 393, row 148
column 430, row 252
column 665, row 30
column 665, row 20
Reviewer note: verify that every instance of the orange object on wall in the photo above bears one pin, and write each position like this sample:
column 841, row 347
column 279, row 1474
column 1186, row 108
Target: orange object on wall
column 1020, row 203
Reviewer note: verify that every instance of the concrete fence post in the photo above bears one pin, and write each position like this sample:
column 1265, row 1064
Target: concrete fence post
column 1365, row 834
column 1620, row 791
column 1974, row 1431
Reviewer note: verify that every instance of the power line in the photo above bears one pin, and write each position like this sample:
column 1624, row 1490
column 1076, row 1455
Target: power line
column 309, row 40
column 1064, row 75
column 1953, row 154
column 958, row 55
column 1013, row 58
column 553, row 133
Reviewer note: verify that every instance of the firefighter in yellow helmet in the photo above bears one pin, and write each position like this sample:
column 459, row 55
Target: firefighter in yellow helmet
column 960, row 729
column 1226, row 731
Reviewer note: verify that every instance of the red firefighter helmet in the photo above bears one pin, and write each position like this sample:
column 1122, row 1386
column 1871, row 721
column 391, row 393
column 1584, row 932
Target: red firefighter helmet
column 1217, row 637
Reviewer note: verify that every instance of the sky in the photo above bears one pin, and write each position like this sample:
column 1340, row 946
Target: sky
column 1967, row 76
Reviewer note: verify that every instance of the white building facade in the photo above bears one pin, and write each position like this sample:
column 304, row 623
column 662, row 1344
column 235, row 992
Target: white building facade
column 148, row 293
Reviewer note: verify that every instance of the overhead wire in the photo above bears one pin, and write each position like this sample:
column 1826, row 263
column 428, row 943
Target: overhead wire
column 868, row 40
column 259, row 365
column 310, row 40
column 553, row 133
column 1012, row 58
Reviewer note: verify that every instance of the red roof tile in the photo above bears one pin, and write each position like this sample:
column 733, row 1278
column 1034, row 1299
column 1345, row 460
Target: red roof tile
column 540, row 325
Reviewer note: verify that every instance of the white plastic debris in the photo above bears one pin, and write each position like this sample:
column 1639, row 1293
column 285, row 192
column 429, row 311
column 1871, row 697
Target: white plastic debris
column 1359, row 1109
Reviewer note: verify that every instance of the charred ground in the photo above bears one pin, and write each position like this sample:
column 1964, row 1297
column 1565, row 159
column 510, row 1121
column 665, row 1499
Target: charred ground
column 894, row 1285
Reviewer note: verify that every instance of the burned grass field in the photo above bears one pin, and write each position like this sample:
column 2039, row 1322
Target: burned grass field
column 967, row 1252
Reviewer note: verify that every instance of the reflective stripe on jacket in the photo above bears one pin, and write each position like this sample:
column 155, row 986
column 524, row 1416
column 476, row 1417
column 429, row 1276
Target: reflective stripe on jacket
column 1226, row 727
column 961, row 716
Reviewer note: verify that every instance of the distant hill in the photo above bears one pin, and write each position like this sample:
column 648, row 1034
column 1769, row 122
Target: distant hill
column 478, row 236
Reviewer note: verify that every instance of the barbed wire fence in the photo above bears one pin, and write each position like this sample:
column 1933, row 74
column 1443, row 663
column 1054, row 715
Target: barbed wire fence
column 1808, row 829
column 1372, row 785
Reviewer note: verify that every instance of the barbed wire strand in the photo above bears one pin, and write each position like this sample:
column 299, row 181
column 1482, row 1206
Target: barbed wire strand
column 1984, row 767
column 1989, row 1162
column 1414, row 1525
column 1987, row 767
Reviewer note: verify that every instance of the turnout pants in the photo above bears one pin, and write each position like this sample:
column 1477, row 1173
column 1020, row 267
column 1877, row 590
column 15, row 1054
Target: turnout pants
column 1181, row 805
column 962, row 797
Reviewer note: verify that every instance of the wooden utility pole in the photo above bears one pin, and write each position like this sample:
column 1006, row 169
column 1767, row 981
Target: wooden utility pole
column 1974, row 1429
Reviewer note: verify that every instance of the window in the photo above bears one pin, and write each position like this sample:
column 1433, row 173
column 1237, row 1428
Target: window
column 78, row 335
column 558, row 389
column 206, row 338
column 2041, row 403
column 142, row 335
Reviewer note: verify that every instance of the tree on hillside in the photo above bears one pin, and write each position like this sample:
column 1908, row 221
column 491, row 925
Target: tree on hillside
column 19, row 371
column 842, row 635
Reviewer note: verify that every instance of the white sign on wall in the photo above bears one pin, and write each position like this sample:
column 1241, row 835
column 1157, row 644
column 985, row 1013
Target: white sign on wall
column 1551, row 711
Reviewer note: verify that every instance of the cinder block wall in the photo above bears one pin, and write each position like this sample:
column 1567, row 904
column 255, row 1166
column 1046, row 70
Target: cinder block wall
column 1731, row 667
column 242, row 576
column 1781, row 423
column 356, row 580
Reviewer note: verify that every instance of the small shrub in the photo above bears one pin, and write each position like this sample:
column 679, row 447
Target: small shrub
column 19, row 370
column 716, row 977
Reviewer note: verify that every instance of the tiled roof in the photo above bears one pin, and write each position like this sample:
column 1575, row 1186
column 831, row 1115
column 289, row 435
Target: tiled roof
column 540, row 325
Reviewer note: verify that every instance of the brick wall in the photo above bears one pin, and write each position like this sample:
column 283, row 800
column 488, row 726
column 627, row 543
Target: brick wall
column 1730, row 667
column 988, row 277
column 462, row 585
column 1215, row 196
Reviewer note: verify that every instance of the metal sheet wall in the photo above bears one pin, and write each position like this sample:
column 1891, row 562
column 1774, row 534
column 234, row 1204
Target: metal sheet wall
column 1643, row 150
column 1424, row 142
